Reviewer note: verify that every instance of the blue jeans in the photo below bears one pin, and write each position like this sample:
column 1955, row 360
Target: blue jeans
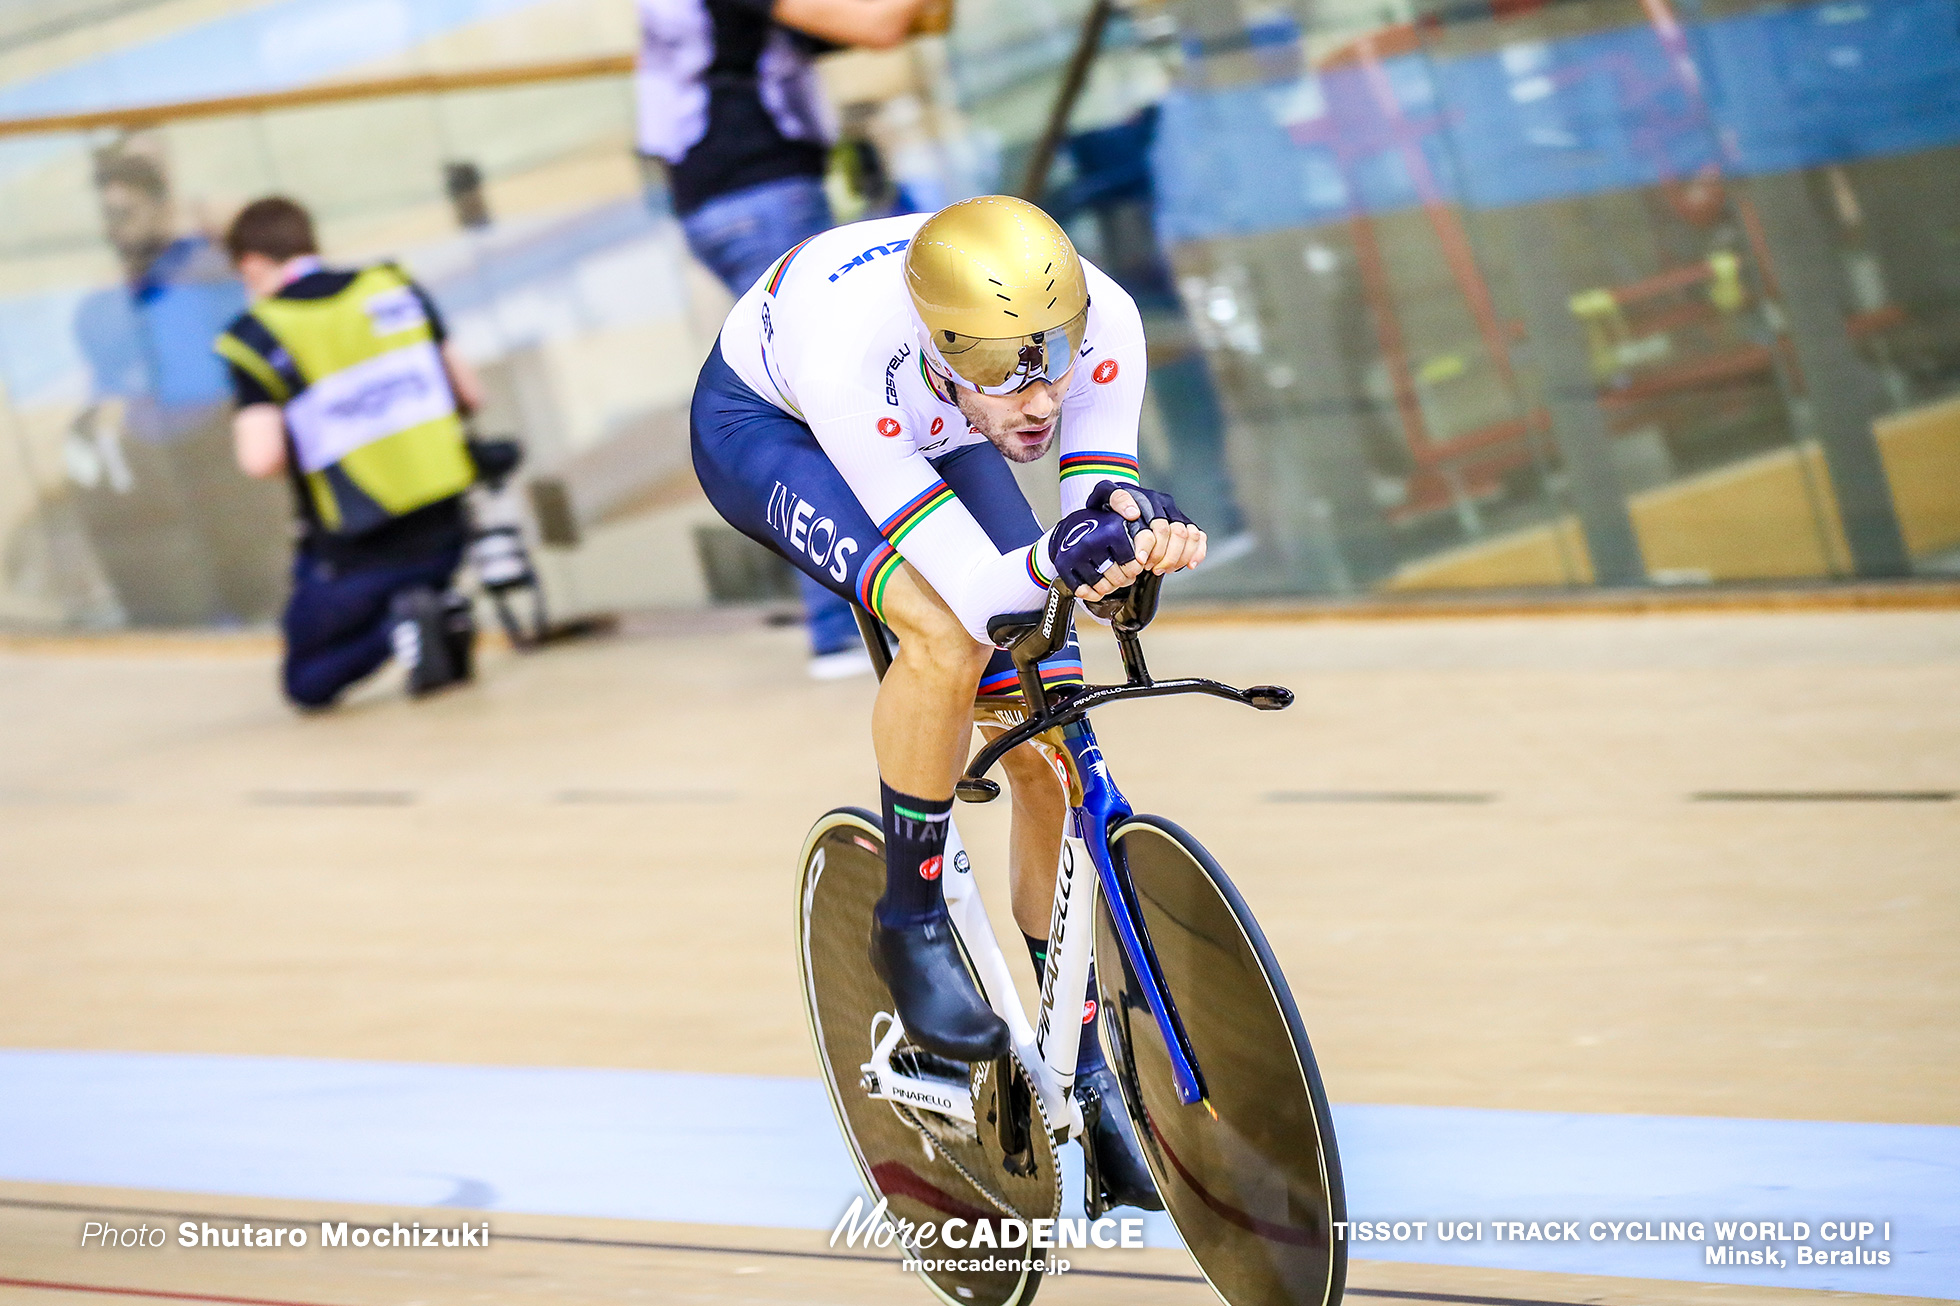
column 336, row 624
column 737, row 236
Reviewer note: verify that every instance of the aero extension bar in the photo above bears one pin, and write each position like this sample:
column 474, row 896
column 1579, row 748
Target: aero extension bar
column 1032, row 636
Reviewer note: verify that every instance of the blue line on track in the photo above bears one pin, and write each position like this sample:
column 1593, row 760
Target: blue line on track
column 747, row 1150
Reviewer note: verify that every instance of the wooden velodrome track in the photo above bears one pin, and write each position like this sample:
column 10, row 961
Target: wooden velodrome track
column 1473, row 842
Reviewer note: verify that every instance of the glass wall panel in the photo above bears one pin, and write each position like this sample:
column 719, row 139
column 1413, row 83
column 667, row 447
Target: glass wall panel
column 1439, row 295
column 1611, row 292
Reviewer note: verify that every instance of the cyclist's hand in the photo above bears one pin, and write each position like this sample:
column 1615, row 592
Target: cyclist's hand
column 1114, row 579
column 1170, row 542
column 1093, row 553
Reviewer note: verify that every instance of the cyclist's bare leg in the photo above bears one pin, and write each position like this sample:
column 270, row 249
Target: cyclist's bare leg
column 920, row 727
column 1035, row 841
column 921, row 730
column 923, row 719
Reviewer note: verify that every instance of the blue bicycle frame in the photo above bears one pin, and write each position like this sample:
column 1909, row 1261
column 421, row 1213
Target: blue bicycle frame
column 1102, row 808
column 1031, row 636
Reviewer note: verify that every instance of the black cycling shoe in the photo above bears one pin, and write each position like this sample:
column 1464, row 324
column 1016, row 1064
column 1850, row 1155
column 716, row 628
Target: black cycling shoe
column 1114, row 1165
column 937, row 1001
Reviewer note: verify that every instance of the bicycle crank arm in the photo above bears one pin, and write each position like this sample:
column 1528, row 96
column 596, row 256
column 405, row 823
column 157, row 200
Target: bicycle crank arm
column 943, row 1093
column 950, row 1098
column 974, row 787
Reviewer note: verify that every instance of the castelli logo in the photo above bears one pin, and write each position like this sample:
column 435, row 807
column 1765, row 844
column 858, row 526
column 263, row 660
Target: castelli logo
column 938, row 425
column 888, row 427
column 929, row 868
column 1105, row 371
column 1088, row 1011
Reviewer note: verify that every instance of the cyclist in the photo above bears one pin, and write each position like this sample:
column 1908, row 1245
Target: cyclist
column 859, row 415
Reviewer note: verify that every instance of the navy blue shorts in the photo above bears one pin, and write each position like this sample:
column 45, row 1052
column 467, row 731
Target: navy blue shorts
column 766, row 474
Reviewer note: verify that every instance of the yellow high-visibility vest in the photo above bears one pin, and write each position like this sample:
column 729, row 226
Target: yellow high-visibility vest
column 373, row 423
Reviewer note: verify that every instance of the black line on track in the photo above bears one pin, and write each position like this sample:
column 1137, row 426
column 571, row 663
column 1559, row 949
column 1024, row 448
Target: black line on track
column 575, row 1240
column 1422, row 796
column 1822, row 796
column 638, row 797
column 571, row 1240
column 1411, row 1295
column 330, row 798
column 160, row 1294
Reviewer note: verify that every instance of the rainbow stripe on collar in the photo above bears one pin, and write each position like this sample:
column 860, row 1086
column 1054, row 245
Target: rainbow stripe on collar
column 776, row 277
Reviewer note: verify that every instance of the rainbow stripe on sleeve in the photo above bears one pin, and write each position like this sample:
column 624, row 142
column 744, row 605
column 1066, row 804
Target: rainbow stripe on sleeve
column 901, row 523
column 1089, row 462
column 1034, row 566
column 877, row 572
column 776, row 277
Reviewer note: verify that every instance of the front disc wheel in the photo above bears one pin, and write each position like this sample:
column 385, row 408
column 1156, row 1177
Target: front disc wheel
column 1250, row 1176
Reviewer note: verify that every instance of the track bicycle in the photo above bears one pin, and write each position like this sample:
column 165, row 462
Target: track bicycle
column 1195, row 1017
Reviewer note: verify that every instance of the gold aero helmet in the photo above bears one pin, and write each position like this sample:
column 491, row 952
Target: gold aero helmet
column 999, row 291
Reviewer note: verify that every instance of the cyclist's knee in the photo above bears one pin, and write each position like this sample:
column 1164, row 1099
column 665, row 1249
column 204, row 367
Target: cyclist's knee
column 947, row 649
column 928, row 632
column 1034, row 780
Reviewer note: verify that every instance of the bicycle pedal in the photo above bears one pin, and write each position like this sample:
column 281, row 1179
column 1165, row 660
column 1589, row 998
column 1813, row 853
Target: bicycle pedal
column 921, row 1064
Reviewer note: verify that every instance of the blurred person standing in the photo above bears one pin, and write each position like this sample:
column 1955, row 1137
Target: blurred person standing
column 150, row 455
column 728, row 98
column 347, row 385
column 1114, row 184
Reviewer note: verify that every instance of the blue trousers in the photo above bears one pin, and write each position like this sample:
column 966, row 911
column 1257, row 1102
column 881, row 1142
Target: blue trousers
column 738, row 235
column 336, row 622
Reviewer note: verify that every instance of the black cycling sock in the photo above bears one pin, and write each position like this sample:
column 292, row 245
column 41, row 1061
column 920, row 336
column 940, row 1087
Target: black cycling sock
column 1037, row 953
column 915, row 848
column 1088, row 1053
